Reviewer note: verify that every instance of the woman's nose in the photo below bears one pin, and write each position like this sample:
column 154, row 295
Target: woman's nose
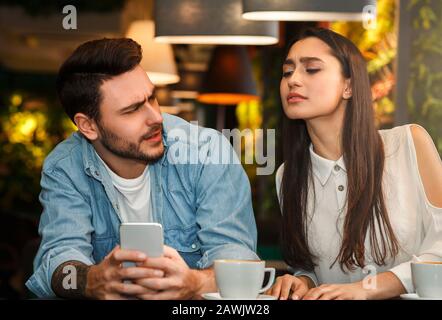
column 294, row 80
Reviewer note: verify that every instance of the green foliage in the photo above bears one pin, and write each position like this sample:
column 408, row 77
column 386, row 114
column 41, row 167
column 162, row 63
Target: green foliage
column 424, row 94
column 30, row 127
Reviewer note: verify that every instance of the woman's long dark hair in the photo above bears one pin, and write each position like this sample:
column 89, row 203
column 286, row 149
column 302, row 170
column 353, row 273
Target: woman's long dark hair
column 364, row 160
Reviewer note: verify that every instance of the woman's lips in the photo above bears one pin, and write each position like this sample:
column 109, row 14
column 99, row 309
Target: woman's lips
column 295, row 97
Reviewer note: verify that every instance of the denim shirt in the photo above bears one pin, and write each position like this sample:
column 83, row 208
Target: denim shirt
column 204, row 206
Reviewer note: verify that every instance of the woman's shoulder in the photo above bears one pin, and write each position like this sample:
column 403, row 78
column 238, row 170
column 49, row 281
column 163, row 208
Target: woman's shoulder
column 403, row 138
column 395, row 133
column 411, row 133
column 429, row 164
column 413, row 144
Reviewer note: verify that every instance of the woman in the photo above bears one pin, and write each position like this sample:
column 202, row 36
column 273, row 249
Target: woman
column 357, row 203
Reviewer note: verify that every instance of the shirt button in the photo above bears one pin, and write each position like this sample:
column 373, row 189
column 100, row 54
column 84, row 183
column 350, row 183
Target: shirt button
column 193, row 246
column 97, row 174
column 341, row 188
column 337, row 168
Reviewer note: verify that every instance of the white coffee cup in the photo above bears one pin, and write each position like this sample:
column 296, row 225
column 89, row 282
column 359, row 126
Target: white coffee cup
column 427, row 278
column 242, row 279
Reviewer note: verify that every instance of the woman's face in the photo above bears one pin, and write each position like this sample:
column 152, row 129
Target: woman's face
column 312, row 83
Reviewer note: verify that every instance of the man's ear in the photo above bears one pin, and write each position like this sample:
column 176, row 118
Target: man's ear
column 347, row 94
column 87, row 126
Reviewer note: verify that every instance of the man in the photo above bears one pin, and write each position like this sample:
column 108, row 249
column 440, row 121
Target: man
column 125, row 164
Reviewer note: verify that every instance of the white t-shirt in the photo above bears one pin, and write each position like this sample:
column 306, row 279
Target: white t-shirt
column 416, row 223
column 133, row 196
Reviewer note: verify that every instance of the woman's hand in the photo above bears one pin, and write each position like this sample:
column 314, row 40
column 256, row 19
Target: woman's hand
column 349, row 291
column 290, row 287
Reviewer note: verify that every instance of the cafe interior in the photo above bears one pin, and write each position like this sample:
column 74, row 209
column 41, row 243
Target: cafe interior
column 214, row 62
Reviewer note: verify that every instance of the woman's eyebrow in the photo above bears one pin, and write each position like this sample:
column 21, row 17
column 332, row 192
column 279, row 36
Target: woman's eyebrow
column 289, row 62
column 303, row 60
column 310, row 59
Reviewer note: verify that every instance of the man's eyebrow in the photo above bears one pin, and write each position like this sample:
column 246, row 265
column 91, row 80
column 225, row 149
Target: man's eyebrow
column 303, row 60
column 133, row 106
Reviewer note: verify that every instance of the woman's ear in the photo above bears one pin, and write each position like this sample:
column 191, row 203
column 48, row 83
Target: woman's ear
column 86, row 126
column 347, row 94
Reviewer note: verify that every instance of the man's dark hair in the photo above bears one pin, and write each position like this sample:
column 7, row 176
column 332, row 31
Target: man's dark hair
column 81, row 75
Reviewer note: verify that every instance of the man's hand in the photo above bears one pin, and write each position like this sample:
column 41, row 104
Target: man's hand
column 105, row 280
column 179, row 281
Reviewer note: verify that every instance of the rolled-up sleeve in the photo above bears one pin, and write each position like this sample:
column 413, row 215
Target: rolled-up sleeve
column 224, row 206
column 65, row 229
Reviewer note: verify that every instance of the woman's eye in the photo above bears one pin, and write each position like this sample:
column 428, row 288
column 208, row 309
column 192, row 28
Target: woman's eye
column 311, row 70
column 286, row 74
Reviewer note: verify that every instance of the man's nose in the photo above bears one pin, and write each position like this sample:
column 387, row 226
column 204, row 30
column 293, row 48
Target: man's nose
column 154, row 117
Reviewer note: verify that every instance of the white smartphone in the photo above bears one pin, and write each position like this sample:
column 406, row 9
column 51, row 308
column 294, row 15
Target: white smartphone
column 144, row 237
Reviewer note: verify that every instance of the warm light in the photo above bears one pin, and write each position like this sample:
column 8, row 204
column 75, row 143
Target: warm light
column 217, row 39
column 225, row 98
column 28, row 126
column 161, row 79
column 16, row 100
column 24, row 127
column 229, row 79
column 158, row 59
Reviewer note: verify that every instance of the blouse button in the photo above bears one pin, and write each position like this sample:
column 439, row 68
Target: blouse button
column 341, row 188
column 337, row 168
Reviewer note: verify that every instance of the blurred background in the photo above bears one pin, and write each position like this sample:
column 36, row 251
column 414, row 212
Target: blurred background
column 211, row 64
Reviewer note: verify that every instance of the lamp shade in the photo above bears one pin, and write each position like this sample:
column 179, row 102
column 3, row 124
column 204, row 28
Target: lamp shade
column 306, row 10
column 209, row 22
column 229, row 78
column 158, row 60
column 190, row 82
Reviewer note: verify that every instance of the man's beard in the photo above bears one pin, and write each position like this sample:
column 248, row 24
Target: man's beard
column 129, row 150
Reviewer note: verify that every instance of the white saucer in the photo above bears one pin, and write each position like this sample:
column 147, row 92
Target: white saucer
column 216, row 296
column 414, row 296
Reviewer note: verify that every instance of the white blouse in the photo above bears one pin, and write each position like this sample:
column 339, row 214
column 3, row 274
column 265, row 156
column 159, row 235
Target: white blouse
column 416, row 223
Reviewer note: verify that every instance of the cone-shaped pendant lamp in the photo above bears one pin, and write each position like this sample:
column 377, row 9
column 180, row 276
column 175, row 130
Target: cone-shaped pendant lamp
column 209, row 22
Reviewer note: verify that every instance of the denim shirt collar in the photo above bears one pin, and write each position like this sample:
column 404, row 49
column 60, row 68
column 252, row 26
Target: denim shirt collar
column 95, row 169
